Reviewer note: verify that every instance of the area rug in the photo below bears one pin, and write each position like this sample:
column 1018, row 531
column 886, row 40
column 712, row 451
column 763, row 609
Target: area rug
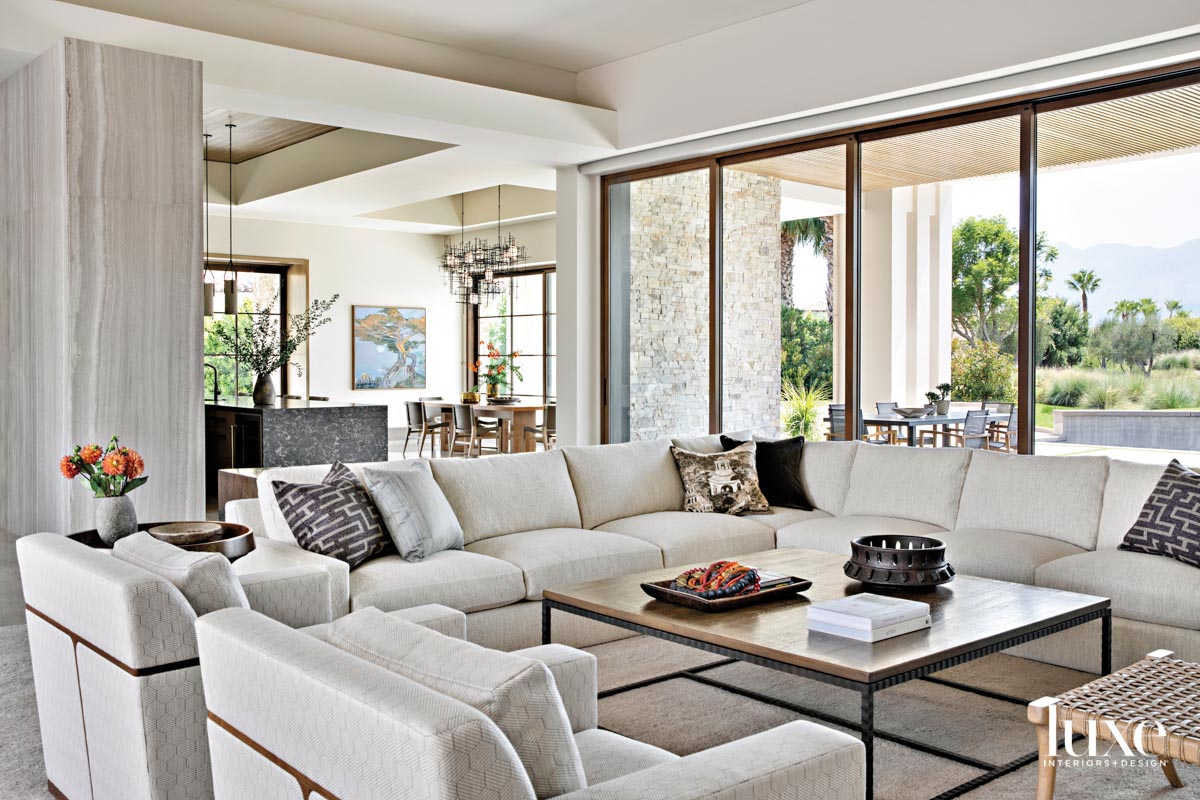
column 684, row 716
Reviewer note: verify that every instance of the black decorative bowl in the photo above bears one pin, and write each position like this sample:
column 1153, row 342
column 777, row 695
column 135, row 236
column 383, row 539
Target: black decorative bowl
column 899, row 562
column 503, row 401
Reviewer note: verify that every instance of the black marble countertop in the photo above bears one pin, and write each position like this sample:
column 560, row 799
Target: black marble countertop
column 247, row 404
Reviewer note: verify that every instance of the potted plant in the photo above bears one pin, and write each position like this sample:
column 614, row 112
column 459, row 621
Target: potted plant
column 264, row 348
column 112, row 473
column 942, row 400
column 931, row 401
column 497, row 369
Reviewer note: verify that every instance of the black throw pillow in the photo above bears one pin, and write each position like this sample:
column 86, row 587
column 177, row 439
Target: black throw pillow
column 335, row 518
column 778, row 464
column 1169, row 524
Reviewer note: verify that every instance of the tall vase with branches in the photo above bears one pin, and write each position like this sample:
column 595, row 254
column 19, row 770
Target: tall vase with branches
column 265, row 348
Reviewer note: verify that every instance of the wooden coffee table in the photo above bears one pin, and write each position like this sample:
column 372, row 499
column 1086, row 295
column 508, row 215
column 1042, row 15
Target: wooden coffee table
column 972, row 618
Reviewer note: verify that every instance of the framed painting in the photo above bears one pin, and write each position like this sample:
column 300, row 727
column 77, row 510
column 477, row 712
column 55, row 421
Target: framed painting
column 388, row 347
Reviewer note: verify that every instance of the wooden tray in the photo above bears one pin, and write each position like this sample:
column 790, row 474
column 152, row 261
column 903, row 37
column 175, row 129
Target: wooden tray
column 661, row 590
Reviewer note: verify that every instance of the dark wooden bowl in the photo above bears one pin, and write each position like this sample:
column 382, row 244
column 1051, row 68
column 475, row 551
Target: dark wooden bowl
column 899, row 562
column 664, row 591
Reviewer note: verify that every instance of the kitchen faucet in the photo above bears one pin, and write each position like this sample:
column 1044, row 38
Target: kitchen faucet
column 215, row 379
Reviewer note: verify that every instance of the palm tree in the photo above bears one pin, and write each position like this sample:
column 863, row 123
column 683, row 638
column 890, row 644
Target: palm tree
column 1126, row 308
column 1147, row 307
column 1173, row 307
column 816, row 232
column 1085, row 282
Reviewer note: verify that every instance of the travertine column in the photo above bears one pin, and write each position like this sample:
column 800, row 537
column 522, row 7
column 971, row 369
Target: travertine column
column 100, row 189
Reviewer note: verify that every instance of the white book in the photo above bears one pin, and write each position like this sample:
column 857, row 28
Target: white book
column 867, row 611
column 768, row 579
column 877, row 635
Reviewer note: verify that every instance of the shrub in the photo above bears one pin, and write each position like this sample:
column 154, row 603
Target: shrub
column 1066, row 389
column 1102, row 394
column 981, row 372
column 1174, row 393
column 801, row 410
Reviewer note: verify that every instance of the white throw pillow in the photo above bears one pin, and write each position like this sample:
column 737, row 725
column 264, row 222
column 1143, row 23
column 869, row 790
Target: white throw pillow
column 415, row 510
column 516, row 693
column 206, row 580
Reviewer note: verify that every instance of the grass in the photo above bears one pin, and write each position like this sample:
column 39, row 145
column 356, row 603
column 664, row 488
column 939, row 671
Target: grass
column 1176, row 388
column 1045, row 415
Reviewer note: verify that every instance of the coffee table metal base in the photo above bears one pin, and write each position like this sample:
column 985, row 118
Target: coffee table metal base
column 866, row 724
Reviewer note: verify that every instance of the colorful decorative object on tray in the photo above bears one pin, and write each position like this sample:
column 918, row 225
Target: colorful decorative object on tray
column 111, row 473
column 899, row 562
column 724, row 585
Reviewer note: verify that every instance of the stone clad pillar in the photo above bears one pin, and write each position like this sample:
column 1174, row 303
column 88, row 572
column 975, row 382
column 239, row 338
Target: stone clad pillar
column 100, row 252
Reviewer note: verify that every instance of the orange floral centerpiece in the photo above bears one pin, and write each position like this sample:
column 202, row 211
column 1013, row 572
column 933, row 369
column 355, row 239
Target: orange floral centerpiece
column 111, row 473
column 495, row 373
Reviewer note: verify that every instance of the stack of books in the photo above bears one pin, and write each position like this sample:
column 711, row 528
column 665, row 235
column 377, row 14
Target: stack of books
column 869, row 617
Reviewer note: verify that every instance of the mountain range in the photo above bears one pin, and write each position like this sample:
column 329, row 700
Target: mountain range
column 1131, row 272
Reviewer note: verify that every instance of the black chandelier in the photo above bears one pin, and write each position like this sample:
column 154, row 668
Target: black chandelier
column 473, row 269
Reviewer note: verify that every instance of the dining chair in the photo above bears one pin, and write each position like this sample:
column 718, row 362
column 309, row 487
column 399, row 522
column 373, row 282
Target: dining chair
column 418, row 421
column 837, row 428
column 1004, row 434
column 547, row 432
column 475, row 428
column 993, row 405
column 974, row 433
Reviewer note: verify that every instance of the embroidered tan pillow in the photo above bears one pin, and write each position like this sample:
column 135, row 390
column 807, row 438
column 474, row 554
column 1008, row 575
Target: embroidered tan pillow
column 724, row 483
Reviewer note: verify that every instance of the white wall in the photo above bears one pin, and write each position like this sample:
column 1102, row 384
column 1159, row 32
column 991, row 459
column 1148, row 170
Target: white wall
column 366, row 267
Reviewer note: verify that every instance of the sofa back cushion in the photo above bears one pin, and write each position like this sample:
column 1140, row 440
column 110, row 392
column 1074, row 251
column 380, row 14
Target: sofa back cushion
column 1050, row 496
column 508, row 494
column 710, row 442
column 614, row 481
column 1128, row 487
column 517, row 693
column 276, row 526
column 825, row 473
column 914, row 483
column 206, row 580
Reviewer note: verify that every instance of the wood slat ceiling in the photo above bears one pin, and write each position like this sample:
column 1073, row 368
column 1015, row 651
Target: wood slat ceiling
column 254, row 135
column 1128, row 127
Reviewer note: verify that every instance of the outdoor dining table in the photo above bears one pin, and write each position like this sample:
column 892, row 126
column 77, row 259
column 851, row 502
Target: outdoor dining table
column 911, row 424
column 513, row 417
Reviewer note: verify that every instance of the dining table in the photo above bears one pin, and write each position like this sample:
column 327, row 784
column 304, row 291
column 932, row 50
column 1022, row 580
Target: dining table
column 911, row 425
column 513, row 418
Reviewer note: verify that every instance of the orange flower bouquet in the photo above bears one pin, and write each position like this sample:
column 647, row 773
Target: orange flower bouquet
column 111, row 472
column 497, row 370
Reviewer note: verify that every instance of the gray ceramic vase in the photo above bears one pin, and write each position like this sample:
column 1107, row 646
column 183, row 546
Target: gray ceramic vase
column 115, row 518
column 264, row 391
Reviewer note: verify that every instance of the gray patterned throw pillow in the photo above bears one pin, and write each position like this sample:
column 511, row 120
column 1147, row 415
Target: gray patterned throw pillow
column 1169, row 524
column 335, row 518
column 725, row 483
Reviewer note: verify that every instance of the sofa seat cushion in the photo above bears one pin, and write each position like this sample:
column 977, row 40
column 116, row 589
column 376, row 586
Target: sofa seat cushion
column 1142, row 587
column 1051, row 496
column 915, row 483
column 688, row 539
column 455, row 578
column 780, row 517
column 1002, row 555
column 607, row 755
column 613, row 481
column 507, row 494
column 563, row 556
column 834, row 534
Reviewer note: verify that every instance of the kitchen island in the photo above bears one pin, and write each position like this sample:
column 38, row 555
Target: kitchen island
column 239, row 434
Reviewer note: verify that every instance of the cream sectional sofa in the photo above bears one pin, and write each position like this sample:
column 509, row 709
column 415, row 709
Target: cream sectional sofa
column 584, row 513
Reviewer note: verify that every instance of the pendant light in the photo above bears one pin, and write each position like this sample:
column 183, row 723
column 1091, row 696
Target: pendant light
column 210, row 280
column 230, row 274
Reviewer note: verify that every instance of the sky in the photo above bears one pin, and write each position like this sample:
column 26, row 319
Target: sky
column 1147, row 202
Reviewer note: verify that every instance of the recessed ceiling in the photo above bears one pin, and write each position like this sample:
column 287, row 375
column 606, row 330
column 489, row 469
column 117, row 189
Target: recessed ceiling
column 254, row 135
column 572, row 35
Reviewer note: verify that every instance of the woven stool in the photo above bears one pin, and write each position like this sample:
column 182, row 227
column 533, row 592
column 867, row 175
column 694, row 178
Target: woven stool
column 1159, row 690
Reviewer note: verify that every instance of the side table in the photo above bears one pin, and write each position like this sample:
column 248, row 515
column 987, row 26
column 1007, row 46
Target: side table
column 233, row 542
